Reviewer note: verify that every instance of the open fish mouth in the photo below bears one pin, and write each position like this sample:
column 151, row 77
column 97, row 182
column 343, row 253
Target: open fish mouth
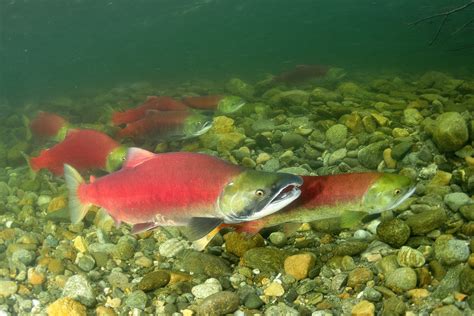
column 280, row 199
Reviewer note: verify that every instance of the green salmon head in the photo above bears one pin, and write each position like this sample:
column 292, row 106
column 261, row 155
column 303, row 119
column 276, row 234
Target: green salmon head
column 387, row 192
column 115, row 158
column 255, row 194
column 230, row 104
column 197, row 124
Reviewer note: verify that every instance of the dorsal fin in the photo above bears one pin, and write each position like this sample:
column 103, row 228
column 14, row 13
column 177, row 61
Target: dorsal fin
column 136, row 156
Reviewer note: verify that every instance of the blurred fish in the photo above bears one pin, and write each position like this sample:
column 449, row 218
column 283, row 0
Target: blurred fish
column 181, row 189
column 168, row 125
column 301, row 73
column 224, row 104
column 84, row 149
column 350, row 197
column 49, row 126
column 162, row 103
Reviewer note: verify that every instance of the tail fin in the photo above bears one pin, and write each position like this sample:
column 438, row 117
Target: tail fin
column 77, row 210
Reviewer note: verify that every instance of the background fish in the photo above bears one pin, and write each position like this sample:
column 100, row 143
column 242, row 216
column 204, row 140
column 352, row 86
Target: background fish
column 48, row 126
column 84, row 149
column 178, row 189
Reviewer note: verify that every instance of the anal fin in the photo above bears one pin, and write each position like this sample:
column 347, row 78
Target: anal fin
column 201, row 243
column 143, row 227
column 199, row 227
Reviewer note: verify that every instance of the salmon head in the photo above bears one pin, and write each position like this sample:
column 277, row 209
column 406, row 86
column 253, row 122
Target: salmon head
column 230, row 104
column 387, row 192
column 255, row 194
column 196, row 124
column 116, row 158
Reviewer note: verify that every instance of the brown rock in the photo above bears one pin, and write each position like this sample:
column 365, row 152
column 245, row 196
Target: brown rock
column 299, row 265
column 359, row 276
column 363, row 308
column 238, row 243
column 35, row 277
column 104, row 311
column 66, row 306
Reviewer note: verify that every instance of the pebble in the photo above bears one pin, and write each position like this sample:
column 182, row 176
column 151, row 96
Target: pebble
column 450, row 131
column 22, row 256
column 172, row 247
column 36, row 277
column 144, row 262
column 467, row 211
column 359, row 276
column 371, row 155
column 136, row 299
column 264, row 259
column 125, row 249
column 253, row 301
column 394, row 306
column 363, row 308
column 262, row 158
column 394, row 232
column 426, row 221
column 457, row 200
column 409, row 257
column 450, row 251
column 350, row 248
column 209, row 287
column 238, row 243
column 154, row 280
column 299, row 265
column 336, row 135
column 292, row 140
column 448, row 310
column 390, row 162
column 221, row 303
column 401, row 280
column 466, row 281
column 66, row 306
column 278, row 239
column 372, row 294
column 119, row 280
column 78, row 288
column 280, row 310
column 400, row 132
column 337, row 156
column 203, row 263
column 8, row 288
column 274, row 289
column 85, row 262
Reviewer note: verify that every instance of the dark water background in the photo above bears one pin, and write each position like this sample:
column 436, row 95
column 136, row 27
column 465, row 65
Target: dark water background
column 49, row 47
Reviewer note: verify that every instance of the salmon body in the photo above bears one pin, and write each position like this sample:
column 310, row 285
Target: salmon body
column 47, row 125
column 83, row 149
column 209, row 102
column 177, row 189
column 162, row 103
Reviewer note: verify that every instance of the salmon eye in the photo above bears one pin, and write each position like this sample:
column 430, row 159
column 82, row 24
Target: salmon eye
column 397, row 191
column 259, row 193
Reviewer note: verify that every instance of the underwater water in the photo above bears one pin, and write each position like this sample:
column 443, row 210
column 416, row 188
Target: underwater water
column 220, row 157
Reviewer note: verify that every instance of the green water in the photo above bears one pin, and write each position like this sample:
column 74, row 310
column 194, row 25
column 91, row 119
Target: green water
column 65, row 47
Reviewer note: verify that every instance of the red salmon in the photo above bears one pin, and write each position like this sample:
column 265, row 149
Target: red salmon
column 208, row 102
column 47, row 125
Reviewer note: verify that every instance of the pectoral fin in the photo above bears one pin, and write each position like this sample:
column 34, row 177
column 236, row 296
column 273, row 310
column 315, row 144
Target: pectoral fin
column 201, row 243
column 199, row 227
column 350, row 219
column 143, row 227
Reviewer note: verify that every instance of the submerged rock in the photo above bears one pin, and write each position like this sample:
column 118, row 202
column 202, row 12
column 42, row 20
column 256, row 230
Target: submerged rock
column 394, row 232
column 221, row 303
column 264, row 259
column 202, row 263
column 78, row 288
column 450, row 132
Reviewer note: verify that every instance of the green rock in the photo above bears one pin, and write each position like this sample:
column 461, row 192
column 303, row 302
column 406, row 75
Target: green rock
column 253, row 301
column 448, row 310
column 202, row 263
column 118, row 280
column 401, row 149
column 393, row 306
column 292, row 140
column 412, row 117
column 450, row 251
column 125, row 249
column 467, row 211
column 294, row 97
column 393, row 232
column 14, row 154
column 8, row 288
column 136, row 299
column 154, row 280
column 221, row 303
column 263, row 126
column 456, row 200
column 278, row 239
column 401, row 280
column 426, row 221
column 336, row 135
column 466, row 281
column 371, row 155
column 324, row 95
column 78, row 288
column 264, row 259
column 350, row 248
column 450, row 132
column 450, row 283
column 238, row 244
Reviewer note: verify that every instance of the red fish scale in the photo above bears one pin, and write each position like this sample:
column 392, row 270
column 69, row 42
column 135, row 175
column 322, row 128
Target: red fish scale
column 174, row 185
column 154, row 123
column 47, row 124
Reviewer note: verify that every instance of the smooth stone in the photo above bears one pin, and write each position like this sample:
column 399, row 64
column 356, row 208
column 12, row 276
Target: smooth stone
column 209, row 287
column 450, row 131
column 401, row 280
column 456, row 200
column 359, row 276
column 448, row 310
column 467, row 211
column 136, row 299
column 394, row 232
column 371, row 155
column 221, row 303
column 449, row 283
column 8, row 288
column 154, row 280
column 466, row 281
column 278, row 239
column 281, row 310
column 238, row 244
column 350, row 248
column 401, row 149
column 336, row 135
column 202, row 263
column 292, row 140
column 450, row 251
column 409, row 257
column 253, row 301
column 393, row 306
column 426, row 221
column 66, row 306
column 412, row 117
column 78, row 288
column 172, row 247
column 337, row 156
column 264, row 258
column 119, row 280
column 299, row 265
column 363, row 308
column 274, row 289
